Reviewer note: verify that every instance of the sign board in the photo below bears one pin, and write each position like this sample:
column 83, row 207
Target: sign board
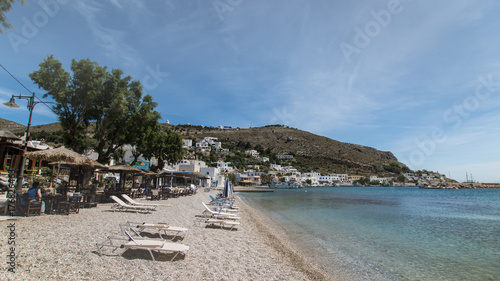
column 139, row 164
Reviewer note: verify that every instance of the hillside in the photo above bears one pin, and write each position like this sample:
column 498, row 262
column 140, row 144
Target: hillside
column 311, row 151
column 19, row 129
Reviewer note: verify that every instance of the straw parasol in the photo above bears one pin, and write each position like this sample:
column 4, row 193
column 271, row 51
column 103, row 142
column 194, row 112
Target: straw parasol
column 124, row 169
column 61, row 154
column 93, row 165
column 7, row 135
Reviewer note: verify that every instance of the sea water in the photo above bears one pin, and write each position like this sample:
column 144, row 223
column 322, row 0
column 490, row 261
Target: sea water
column 394, row 233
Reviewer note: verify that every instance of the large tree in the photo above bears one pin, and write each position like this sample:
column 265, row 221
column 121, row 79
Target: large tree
column 165, row 146
column 5, row 6
column 74, row 96
column 104, row 110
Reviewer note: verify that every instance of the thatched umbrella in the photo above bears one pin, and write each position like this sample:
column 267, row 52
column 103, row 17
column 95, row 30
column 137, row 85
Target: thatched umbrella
column 63, row 155
column 7, row 135
column 124, row 169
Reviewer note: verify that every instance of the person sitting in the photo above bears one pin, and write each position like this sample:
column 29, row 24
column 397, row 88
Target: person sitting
column 35, row 193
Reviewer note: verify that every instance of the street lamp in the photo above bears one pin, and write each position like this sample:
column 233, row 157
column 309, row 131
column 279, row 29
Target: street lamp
column 31, row 105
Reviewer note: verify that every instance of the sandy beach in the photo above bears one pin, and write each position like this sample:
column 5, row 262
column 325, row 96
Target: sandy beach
column 63, row 247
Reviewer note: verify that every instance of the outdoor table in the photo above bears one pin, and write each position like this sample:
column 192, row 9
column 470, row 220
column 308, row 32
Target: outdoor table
column 52, row 202
column 88, row 201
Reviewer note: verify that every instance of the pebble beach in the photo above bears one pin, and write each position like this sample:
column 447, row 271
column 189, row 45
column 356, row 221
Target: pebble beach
column 63, row 247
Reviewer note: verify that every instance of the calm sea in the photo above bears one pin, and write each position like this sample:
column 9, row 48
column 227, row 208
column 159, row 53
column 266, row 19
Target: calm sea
column 394, row 233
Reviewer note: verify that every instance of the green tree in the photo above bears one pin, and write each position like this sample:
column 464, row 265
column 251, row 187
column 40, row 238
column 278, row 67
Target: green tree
column 5, row 6
column 113, row 104
column 232, row 177
column 165, row 146
column 401, row 178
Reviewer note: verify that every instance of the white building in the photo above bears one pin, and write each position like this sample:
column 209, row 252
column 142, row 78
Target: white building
column 188, row 143
column 275, row 167
column 252, row 152
column 263, row 159
column 224, row 166
column 216, row 178
column 380, row 180
column 341, row 177
column 313, row 177
column 189, row 166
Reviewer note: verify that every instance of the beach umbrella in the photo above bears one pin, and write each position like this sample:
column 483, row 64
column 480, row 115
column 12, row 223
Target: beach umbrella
column 124, row 169
column 67, row 157
column 61, row 154
column 228, row 188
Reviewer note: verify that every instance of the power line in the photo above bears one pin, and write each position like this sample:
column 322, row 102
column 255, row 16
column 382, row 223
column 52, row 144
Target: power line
column 41, row 101
column 16, row 79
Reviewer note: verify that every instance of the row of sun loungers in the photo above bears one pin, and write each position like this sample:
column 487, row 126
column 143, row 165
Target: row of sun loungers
column 221, row 213
column 218, row 216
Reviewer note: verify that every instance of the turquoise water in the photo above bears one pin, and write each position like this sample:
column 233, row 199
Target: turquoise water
column 394, row 233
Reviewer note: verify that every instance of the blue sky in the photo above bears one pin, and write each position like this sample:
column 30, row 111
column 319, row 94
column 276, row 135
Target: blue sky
column 418, row 78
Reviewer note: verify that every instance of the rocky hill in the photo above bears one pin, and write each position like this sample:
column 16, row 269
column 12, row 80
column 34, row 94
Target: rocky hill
column 314, row 152
column 19, row 129
column 311, row 152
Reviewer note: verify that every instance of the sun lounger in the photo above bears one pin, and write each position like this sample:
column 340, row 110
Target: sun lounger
column 144, row 244
column 134, row 203
column 168, row 230
column 122, row 206
column 219, row 215
column 223, row 223
column 224, row 209
column 222, row 202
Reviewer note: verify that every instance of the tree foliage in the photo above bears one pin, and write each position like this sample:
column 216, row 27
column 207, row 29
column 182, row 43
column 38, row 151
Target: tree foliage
column 103, row 109
column 5, row 6
column 165, row 146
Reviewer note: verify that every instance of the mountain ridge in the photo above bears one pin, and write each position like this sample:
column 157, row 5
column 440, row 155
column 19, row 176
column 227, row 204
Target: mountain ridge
column 312, row 152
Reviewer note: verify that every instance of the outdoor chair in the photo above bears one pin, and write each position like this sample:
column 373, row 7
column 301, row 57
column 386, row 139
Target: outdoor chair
column 135, row 203
column 70, row 205
column 155, row 194
column 28, row 207
column 144, row 244
column 122, row 206
column 168, row 230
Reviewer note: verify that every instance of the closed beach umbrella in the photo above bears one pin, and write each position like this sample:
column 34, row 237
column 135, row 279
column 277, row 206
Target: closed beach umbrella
column 228, row 188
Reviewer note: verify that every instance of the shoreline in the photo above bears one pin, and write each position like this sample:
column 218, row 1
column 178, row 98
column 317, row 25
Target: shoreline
column 271, row 233
column 55, row 247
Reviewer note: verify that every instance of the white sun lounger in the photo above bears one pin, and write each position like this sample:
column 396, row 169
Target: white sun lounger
column 135, row 203
column 144, row 244
column 169, row 230
column 122, row 206
column 223, row 223
column 220, row 215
